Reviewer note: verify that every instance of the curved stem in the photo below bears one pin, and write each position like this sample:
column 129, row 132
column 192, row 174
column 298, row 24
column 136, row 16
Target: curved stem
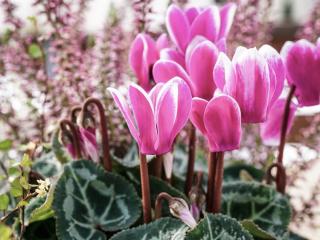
column 67, row 126
column 103, row 128
column 74, row 114
column 191, row 159
column 281, row 177
column 145, row 189
column 216, row 206
column 158, row 206
column 212, row 162
column 284, row 128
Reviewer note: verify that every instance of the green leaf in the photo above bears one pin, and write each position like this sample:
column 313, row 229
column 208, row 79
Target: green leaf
column 4, row 201
column 34, row 51
column 47, row 165
column 22, row 203
column 5, row 231
column 294, row 236
column 26, row 161
column 24, row 182
column 5, row 145
column 162, row 229
column 43, row 211
column 16, row 188
column 237, row 171
column 255, row 230
column 58, row 149
column 87, row 200
column 218, row 227
column 259, row 203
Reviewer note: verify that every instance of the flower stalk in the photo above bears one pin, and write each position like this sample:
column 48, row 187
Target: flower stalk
column 145, row 189
column 69, row 131
column 191, row 158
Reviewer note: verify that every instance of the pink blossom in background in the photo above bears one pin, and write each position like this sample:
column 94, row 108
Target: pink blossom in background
column 219, row 120
column 254, row 78
column 302, row 60
column 155, row 118
column 270, row 130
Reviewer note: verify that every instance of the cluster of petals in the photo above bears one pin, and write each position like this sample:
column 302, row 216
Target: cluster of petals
column 155, row 118
column 302, row 60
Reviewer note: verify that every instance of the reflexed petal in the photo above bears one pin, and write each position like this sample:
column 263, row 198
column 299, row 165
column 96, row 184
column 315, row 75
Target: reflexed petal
column 197, row 114
column 276, row 71
column 165, row 70
column 195, row 211
column 270, row 130
column 192, row 13
column 90, row 144
column 222, row 120
column 253, row 83
column 207, row 24
column 173, row 55
column 144, row 114
column 126, row 112
column 178, row 27
column 227, row 13
column 194, row 43
column 200, row 67
column 153, row 94
column 162, row 42
column 168, row 164
column 172, row 112
column 222, row 45
column 71, row 150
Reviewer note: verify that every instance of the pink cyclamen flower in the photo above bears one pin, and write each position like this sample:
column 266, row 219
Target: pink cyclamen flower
column 302, row 60
column 88, row 143
column 219, row 120
column 155, row 118
column 144, row 52
column 212, row 23
column 254, row 78
column 270, row 130
column 200, row 60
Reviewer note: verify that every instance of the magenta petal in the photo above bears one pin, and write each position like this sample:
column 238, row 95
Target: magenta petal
column 162, row 42
column 126, row 112
column 276, row 71
column 171, row 112
column 71, row 150
column 90, row 144
column 270, row 130
column 197, row 114
column 222, row 119
column 144, row 114
column 224, row 75
column 165, row 70
column 153, row 94
column 195, row 211
column 227, row 13
column 143, row 53
column 206, row 24
column 252, row 86
column 192, row 13
column 173, row 55
column 200, row 67
column 222, row 45
column 178, row 27
column 303, row 70
column 192, row 45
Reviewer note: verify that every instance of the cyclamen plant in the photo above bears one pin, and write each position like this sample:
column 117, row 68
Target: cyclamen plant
column 83, row 188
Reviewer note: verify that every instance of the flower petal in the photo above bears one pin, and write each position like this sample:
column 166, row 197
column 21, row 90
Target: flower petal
column 206, row 24
column 270, row 130
column 200, row 67
column 90, row 144
column 197, row 113
column 144, row 114
column 192, row 13
column 178, row 27
column 222, row 120
column 162, row 42
column 173, row 55
column 168, row 164
column 227, row 13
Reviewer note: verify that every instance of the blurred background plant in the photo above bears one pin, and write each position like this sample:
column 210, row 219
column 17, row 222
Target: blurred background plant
column 56, row 53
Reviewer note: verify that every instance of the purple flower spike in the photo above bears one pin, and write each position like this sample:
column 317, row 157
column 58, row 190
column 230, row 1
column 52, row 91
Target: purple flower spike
column 155, row 119
column 302, row 60
column 270, row 130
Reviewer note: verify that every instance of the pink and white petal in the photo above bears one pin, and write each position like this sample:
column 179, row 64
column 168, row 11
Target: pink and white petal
column 178, row 27
column 276, row 71
column 206, row 24
column 90, row 144
column 197, row 114
column 222, row 120
column 194, row 43
column 165, row 70
column 126, row 112
column 153, row 94
column 253, row 85
column 143, row 111
column 200, row 68
column 71, row 150
column 173, row 55
column 227, row 13
column 270, row 131
column 168, row 164
column 224, row 75
column 222, row 45
column 192, row 13
column 162, row 42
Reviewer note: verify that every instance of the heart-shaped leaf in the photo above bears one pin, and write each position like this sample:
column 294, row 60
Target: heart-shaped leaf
column 162, row 229
column 47, row 165
column 218, row 227
column 87, row 200
column 233, row 172
column 262, row 204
